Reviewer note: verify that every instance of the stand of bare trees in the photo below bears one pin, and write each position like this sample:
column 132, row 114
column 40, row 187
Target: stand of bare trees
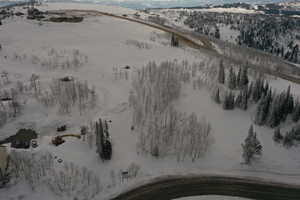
column 68, row 94
column 68, row 181
column 10, row 106
column 163, row 130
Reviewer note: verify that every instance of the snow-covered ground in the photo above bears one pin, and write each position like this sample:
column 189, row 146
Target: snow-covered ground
column 107, row 45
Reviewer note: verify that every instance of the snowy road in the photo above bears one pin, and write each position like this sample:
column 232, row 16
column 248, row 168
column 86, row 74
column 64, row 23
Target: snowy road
column 171, row 188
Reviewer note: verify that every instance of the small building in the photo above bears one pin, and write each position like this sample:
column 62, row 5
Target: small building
column 23, row 138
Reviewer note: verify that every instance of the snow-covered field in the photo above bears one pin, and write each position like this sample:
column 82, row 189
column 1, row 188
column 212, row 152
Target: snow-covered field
column 107, row 45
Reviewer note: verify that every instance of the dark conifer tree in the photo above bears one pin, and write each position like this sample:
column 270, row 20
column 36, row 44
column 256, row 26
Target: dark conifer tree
column 231, row 79
column 251, row 147
column 244, row 105
column 221, row 74
column 238, row 78
column 296, row 112
column 239, row 99
column 288, row 139
column 258, row 88
column 217, row 96
column 274, row 116
column 244, row 77
column 263, row 109
column 228, row 103
column 250, row 90
column 277, row 137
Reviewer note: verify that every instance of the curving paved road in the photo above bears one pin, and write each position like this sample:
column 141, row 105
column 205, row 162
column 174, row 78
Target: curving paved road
column 170, row 188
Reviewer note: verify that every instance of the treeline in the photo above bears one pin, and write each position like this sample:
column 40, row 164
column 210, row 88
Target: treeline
column 103, row 141
column 272, row 109
column 289, row 139
column 276, row 35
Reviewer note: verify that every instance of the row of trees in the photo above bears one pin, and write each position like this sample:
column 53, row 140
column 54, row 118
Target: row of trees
column 276, row 35
column 291, row 137
column 103, row 141
column 234, row 81
column 272, row 109
column 53, row 59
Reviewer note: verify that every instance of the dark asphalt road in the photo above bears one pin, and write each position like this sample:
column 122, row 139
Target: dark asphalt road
column 171, row 188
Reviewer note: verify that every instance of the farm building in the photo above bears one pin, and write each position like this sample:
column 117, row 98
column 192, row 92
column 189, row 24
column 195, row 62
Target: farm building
column 23, row 138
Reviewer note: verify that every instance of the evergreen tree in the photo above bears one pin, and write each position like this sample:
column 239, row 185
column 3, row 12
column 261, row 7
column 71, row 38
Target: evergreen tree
column 99, row 137
column 228, row 103
column 288, row 139
column 217, row 96
column 221, row 75
column 266, row 88
column 106, row 129
column 232, row 79
column 263, row 108
column 288, row 102
column 217, row 33
column 277, row 137
column 296, row 112
column 274, row 116
column 174, row 41
column 251, row 147
column 238, row 100
column 244, row 78
column 244, row 103
column 238, row 78
column 103, row 144
column 258, row 88
column 250, row 90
